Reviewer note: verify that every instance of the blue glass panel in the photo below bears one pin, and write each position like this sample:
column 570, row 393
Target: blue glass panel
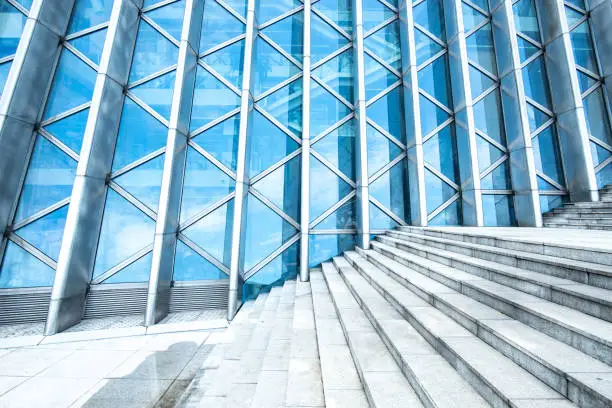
column 585, row 81
column 488, row 117
column 536, row 117
column 604, row 176
column 139, row 134
column 11, row 28
column 377, row 77
column 325, row 109
column 337, row 73
column 526, row 19
column 577, row 3
column 572, row 16
column 550, row 202
column 282, row 187
column 343, row 218
column 222, row 141
column 265, row 231
column 487, row 153
column 72, row 86
column 546, row 154
column 498, row 179
column 20, row 269
column 374, row 13
column 149, row 3
column 471, row 17
column 385, row 43
column 544, row 185
column 204, row 184
column 270, row 145
column 439, row 151
column 267, row 10
column 144, row 182
column 91, row 45
column 46, row 233
column 285, row 105
column 213, row 233
column 49, row 179
column 380, row 150
column 138, row 271
column 480, row 49
column 338, row 147
column 479, row 82
column 170, row 18
column 70, row 130
column 598, row 124
column 525, row 48
column 598, row 153
column 4, row 72
column 483, row 4
column 219, row 26
column 433, row 79
column 584, row 54
column 431, row 115
column 157, row 93
column 228, row 62
column 211, row 100
column 388, row 189
column 387, row 112
column 536, row 83
column 339, row 11
column 379, row 220
column 280, row 269
column 325, row 247
column 153, row 52
column 190, row 266
column 288, row 34
column 327, row 190
column 271, row 67
column 89, row 13
column 425, row 47
column 125, row 231
column 324, row 39
column 25, row 3
column 429, row 15
column 450, row 216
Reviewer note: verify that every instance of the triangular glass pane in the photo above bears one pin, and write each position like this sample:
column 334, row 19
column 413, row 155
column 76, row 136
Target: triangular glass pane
column 219, row 26
column 288, row 34
column 323, row 247
column 267, row 10
column 388, row 189
column 385, row 43
column 144, row 182
column 526, row 19
column 598, row 153
column 285, row 105
column 547, row 156
column 471, row 17
column 525, row 48
column 153, row 52
column 387, row 113
column 479, row 82
column 337, row 73
column 212, row 99
column 536, row 83
column 438, row 192
column 377, row 77
column 270, row 145
column 125, row 231
column 149, row 3
column 598, row 124
column 91, row 45
column 498, row 179
column 20, row 269
column 46, row 232
column 425, row 47
column 487, row 153
column 550, row 202
column 48, row 180
column 338, row 148
column 379, row 220
column 213, row 233
column 222, row 141
column 585, row 81
column 4, row 72
column 228, row 62
column 431, row 115
column 170, row 18
column 604, row 176
column 282, row 268
column 157, row 93
column 324, row 39
column 380, row 150
column 536, row 117
column 70, row 130
column 339, row 11
column 325, row 109
column 138, row 271
column 374, row 13
column 89, row 13
column 239, row 6
column 265, row 231
column 190, row 266
column 450, row 216
column 343, row 218
column 440, row 152
column 429, row 15
column 328, row 189
column 577, row 3
column 282, row 187
column 480, row 49
column 483, row 4
column 203, row 185
column 582, row 44
column 433, row 79
column 13, row 22
column 545, row 185
column 271, row 67
column 131, row 145
column 572, row 16
column 73, row 85
column 488, row 117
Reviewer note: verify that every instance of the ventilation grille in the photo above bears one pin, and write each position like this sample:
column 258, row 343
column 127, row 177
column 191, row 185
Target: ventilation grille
column 116, row 300
column 24, row 305
column 199, row 295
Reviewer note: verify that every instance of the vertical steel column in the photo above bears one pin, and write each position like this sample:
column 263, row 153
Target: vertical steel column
column 76, row 258
column 363, row 195
column 24, row 96
column 567, row 102
column 166, row 230
column 465, row 129
column 242, row 181
column 516, row 120
column 305, row 186
column 414, row 136
column 601, row 18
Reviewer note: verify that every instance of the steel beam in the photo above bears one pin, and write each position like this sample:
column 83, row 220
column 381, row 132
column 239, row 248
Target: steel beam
column 305, row 168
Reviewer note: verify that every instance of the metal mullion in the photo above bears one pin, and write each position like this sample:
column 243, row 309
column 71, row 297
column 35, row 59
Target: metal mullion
column 431, row 59
column 387, row 211
column 40, row 214
column 443, row 207
column 550, row 180
column 573, row 6
column 332, row 23
column 441, row 176
column 212, row 159
column 494, row 165
column 386, row 134
column 594, row 76
column 589, row 91
column 603, row 164
column 277, row 87
column 213, row 123
column 543, row 108
column 485, row 93
column 533, row 42
column 141, row 253
column 389, row 5
column 280, row 50
column 436, row 102
column 576, row 24
column 59, row 144
column 275, row 166
column 282, row 127
column 65, row 114
column 382, row 62
column 487, row 20
column 380, row 26
column 477, row 7
column 159, row 29
column 219, row 77
column 332, row 128
column 497, row 192
column 482, row 69
column 332, row 209
column 271, row 257
column 334, row 232
column 32, row 250
column 543, row 127
column 387, row 167
column 19, row 7
column 436, row 130
column 429, row 34
column 333, row 168
column 273, row 207
column 552, row 193
column 152, row 76
column 384, row 92
column 601, row 143
column 137, row 163
column 231, row 11
column 87, row 31
column 278, row 18
column 203, row 253
column 492, row 141
column 333, row 92
column 204, row 212
column 306, row 146
column 6, row 59
column 219, row 47
column 147, row 108
column 133, row 200
column 416, row 3
column 331, row 56
column 158, row 5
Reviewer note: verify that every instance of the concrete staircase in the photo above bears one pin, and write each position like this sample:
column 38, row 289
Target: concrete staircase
column 587, row 215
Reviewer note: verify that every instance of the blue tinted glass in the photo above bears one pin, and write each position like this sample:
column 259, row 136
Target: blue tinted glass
column 222, row 141
column 89, row 13
column 598, row 124
column 550, row 202
column 153, row 52
column 190, row 266
column 138, row 271
column 337, row 73
column 379, row 220
column 374, row 13
column 387, row 112
column 432, row 116
column 271, row 144
column 385, row 43
column 525, row 48
column 487, row 153
column 572, row 16
column 282, row 187
column 498, row 210
column 239, row 6
column 471, row 17
column 339, row 11
column 338, row 148
column 72, row 86
column 342, row 218
column 271, row 67
column 170, row 18
column 546, row 154
column 425, row 47
column 25, row 3
column 328, row 189
column 267, row 10
column 20, row 269
column 535, row 82
column 325, row 247
column 213, row 233
column 433, row 79
column 324, row 39
column 11, row 27
column 4, row 72
column 377, row 77
column 544, row 185
column 388, row 189
column 48, row 180
column 599, row 153
column 91, row 45
column 288, row 34
column 440, row 152
column 498, row 179
column 70, row 130
column 584, row 54
column 144, row 182
column 479, row 82
column 536, row 117
column 46, row 232
column 585, row 81
column 157, row 93
column 525, row 19
column 280, row 269
column 285, row 105
column 450, row 216
column 380, row 150
column 228, row 62
column 211, row 100
column 487, row 117
column 325, row 109
column 219, row 26
column 428, row 14
column 577, row 3
column 480, row 49
column 604, row 176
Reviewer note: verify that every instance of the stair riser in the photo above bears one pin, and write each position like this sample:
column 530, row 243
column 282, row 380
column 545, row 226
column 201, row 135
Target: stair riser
column 586, row 215
column 585, row 344
column 581, row 227
column 580, row 221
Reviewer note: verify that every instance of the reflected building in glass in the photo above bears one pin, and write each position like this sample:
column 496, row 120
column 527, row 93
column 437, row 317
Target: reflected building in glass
column 160, row 156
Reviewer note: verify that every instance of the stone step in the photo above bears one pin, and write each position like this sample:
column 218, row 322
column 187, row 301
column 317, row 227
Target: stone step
column 589, row 334
column 581, row 221
column 383, row 381
column 588, row 299
column 579, row 271
column 591, row 204
column 459, row 357
column 534, row 240
column 577, row 214
column 573, row 225
column 570, row 372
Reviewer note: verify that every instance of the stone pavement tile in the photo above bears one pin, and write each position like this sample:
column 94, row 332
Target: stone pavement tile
column 118, row 343
column 304, row 385
column 156, row 365
column 196, row 362
column 183, row 340
column 8, row 383
column 346, row 398
column 329, row 332
column 41, row 392
column 173, row 394
column 28, row 362
column 4, row 352
column 338, row 368
column 122, row 392
column 271, row 389
column 87, row 364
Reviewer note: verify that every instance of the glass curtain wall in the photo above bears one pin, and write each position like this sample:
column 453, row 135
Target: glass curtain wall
column 13, row 15
column 38, row 224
